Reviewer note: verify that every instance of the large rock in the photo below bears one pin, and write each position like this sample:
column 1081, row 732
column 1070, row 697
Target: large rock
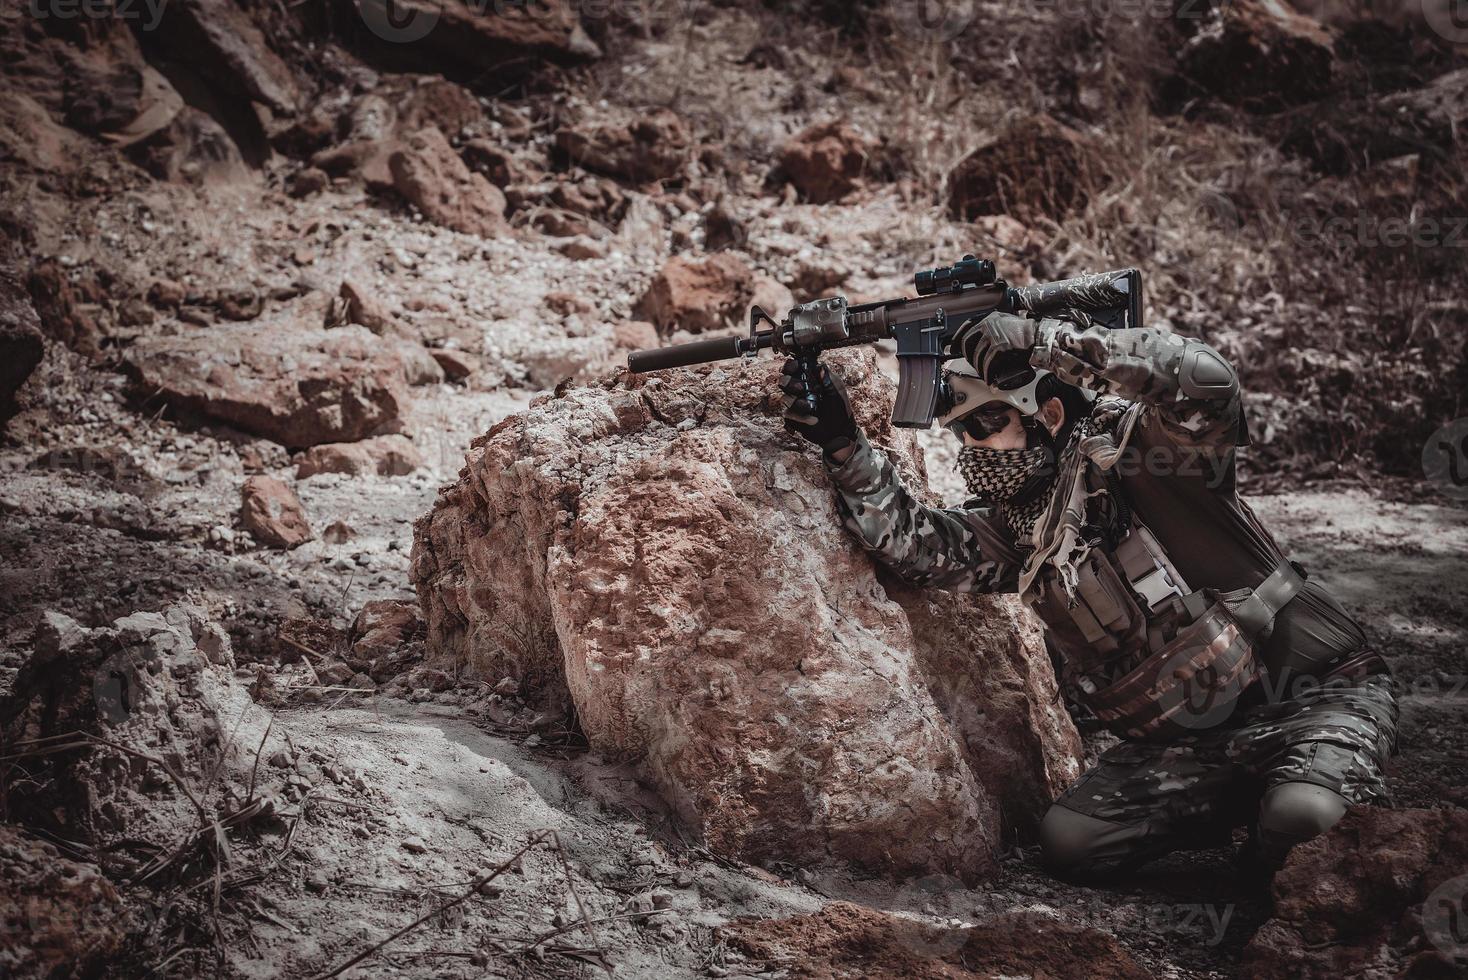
column 156, row 683
column 192, row 148
column 654, row 147
column 698, row 295
column 389, row 455
column 478, row 39
column 219, row 41
column 297, row 385
column 1259, row 54
column 1034, row 168
column 430, row 175
column 1383, row 894
column 272, row 513
column 668, row 559
column 825, row 162
column 21, row 346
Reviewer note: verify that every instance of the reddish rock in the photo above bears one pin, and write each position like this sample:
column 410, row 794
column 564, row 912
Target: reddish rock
column 508, row 38
column 69, row 305
column 435, row 101
column 670, row 560
column 845, row 940
column 1259, row 54
column 21, row 345
column 500, row 165
column 390, row 455
column 383, row 626
column 193, row 149
column 654, row 147
column 297, row 385
column 1381, row 894
column 361, row 306
column 455, row 364
column 218, row 40
column 698, row 295
column 635, row 335
column 60, row 917
column 1036, row 168
column 825, row 162
column 271, row 512
column 308, row 181
column 430, row 175
column 772, row 296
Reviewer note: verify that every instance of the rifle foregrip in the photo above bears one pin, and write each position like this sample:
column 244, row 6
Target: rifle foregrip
column 683, row 355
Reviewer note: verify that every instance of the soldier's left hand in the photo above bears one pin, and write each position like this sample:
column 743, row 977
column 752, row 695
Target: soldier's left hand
column 996, row 334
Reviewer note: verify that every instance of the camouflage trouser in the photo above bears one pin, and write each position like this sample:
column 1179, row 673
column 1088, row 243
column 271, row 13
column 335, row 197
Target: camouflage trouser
column 1190, row 792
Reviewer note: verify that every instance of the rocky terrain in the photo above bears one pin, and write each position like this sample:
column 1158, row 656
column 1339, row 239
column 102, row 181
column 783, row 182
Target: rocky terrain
column 362, row 615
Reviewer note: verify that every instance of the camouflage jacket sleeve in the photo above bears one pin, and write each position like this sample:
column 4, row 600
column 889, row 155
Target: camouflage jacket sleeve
column 947, row 548
column 1193, row 391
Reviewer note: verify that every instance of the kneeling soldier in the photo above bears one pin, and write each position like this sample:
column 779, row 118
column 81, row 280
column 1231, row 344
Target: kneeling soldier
column 1102, row 468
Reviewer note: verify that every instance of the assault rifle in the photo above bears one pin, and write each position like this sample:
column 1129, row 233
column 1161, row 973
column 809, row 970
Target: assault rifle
column 923, row 326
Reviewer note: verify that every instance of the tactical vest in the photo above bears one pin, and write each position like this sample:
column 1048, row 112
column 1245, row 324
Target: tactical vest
column 1149, row 656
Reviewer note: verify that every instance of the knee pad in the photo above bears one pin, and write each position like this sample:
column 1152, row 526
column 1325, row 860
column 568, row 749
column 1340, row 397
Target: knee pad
column 1292, row 813
column 1073, row 844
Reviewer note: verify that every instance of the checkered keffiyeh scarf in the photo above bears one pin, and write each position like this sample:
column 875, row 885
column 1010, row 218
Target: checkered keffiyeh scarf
column 999, row 474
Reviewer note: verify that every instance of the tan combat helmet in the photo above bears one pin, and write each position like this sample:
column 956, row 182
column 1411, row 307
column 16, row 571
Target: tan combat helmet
column 964, row 393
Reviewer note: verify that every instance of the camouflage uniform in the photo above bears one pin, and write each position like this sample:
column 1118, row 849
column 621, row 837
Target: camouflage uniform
column 1160, row 795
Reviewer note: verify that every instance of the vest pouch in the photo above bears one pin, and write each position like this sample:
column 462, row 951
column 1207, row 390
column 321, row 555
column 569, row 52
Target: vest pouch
column 1105, row 597
column 1190, row 685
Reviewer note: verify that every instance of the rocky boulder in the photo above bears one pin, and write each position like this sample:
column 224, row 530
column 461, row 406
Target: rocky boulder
column 298, row 385
column 218, row 40
column 660, row 554
column 383, row 627
column 21, row 346
column 480, row 39
column 654, row 147
column 271, row 512
column 1034, row 168
column 825, row 162
column 432, row 177
column 1383, row 894
column 389, row 455
column 698, row 295
column 158, row 684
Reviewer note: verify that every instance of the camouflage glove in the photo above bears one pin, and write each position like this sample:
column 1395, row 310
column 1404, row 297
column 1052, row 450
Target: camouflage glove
column 817, row 409
column 998, row 334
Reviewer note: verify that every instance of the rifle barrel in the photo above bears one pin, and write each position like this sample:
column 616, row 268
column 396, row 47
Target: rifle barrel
column 684, row 355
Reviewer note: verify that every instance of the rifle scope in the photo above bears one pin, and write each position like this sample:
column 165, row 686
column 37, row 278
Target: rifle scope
column 968, row 271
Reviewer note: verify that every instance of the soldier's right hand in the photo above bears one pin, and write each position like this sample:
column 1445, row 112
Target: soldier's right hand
column 817, row 407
